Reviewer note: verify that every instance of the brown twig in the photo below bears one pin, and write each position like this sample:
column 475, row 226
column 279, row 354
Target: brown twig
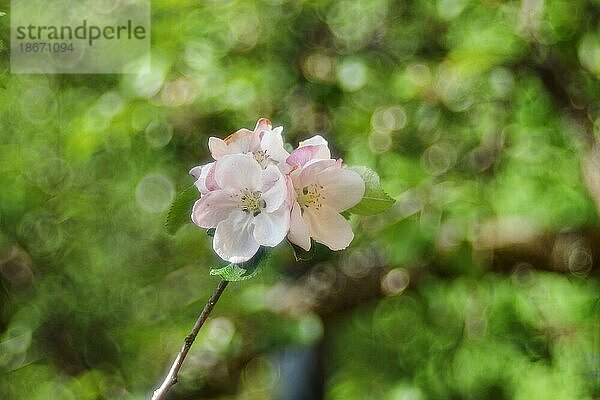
column 171, row 378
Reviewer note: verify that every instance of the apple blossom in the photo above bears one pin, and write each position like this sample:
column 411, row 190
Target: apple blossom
column 255, row 193
column 245, row 203
column 322, row 189
column 264, row 143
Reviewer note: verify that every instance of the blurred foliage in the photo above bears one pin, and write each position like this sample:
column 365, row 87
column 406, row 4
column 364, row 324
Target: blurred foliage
column 480, row 116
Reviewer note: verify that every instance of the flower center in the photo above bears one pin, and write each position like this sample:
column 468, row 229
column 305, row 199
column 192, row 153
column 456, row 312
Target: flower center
column 261, row 157
column 251, row 201
column 310, row 196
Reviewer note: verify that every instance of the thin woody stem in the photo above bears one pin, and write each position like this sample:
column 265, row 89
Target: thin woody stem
column 171, row 378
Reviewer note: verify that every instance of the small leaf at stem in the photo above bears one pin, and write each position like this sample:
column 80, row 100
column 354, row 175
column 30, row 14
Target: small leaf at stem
column 375, row 200
column 181, row 209
column 245, row 270
column 303, row 255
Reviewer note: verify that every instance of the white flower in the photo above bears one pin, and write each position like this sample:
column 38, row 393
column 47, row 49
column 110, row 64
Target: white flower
column 247, row 207
column 322, row 189
column 265, row 144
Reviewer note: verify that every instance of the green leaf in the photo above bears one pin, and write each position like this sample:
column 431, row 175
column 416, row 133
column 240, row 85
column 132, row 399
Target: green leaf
column 303, row 255
column 375, row 199
column 245, row 270
column 181, row 209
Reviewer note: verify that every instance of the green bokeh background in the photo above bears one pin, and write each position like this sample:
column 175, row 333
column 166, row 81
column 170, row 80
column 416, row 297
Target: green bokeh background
column 483, row 120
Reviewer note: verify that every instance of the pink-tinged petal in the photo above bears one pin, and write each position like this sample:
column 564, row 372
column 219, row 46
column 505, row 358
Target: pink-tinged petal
column 342, row 188
column 205, row 177
column 327, row 226
column 270, row 228
column 270, row 175
column 298, row 233
column 321, row 147
column 238, row 171
column 234, row 239
column 316, row 166
column 212, row 208
column 285, row 168
column 272, row 144
column 300, row 156
column 307, row 174
column 291, row 198
column 314, row 148
column 262, row 125
column 241, row 141
column 195, row 172
column 218, row 147
column 316, row 140
column 274, row 189
column 210, row 182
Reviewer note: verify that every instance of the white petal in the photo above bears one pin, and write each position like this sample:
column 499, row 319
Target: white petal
column 272, row 144
column 298, row 233
column 289, row 184
column 241, row 141
column 234, row 240
column 262, row 125
column 218, row 147
column 307, row 174
column 270, row 228
column 342, row 188
column 274, row 188
column 270, row 175
column 238, row 171
column 327, row 226
column 212, row 208
column 316, row 140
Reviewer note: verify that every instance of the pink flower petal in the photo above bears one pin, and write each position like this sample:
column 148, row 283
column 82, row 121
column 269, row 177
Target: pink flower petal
column 342, row 188
column 218, row 147
column 306, row 175
column 234, row 240
column 211, row 182
column 196, row 171
column 262, row 125
column 239, row 142
column 322, row 147
column 212, row 208
column 238, row 171
column 301, row 156
column 298, row 233
column 205, row 177
column 274, row 189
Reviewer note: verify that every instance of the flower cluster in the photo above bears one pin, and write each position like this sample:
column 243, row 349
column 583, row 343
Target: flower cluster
column 256, row 193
